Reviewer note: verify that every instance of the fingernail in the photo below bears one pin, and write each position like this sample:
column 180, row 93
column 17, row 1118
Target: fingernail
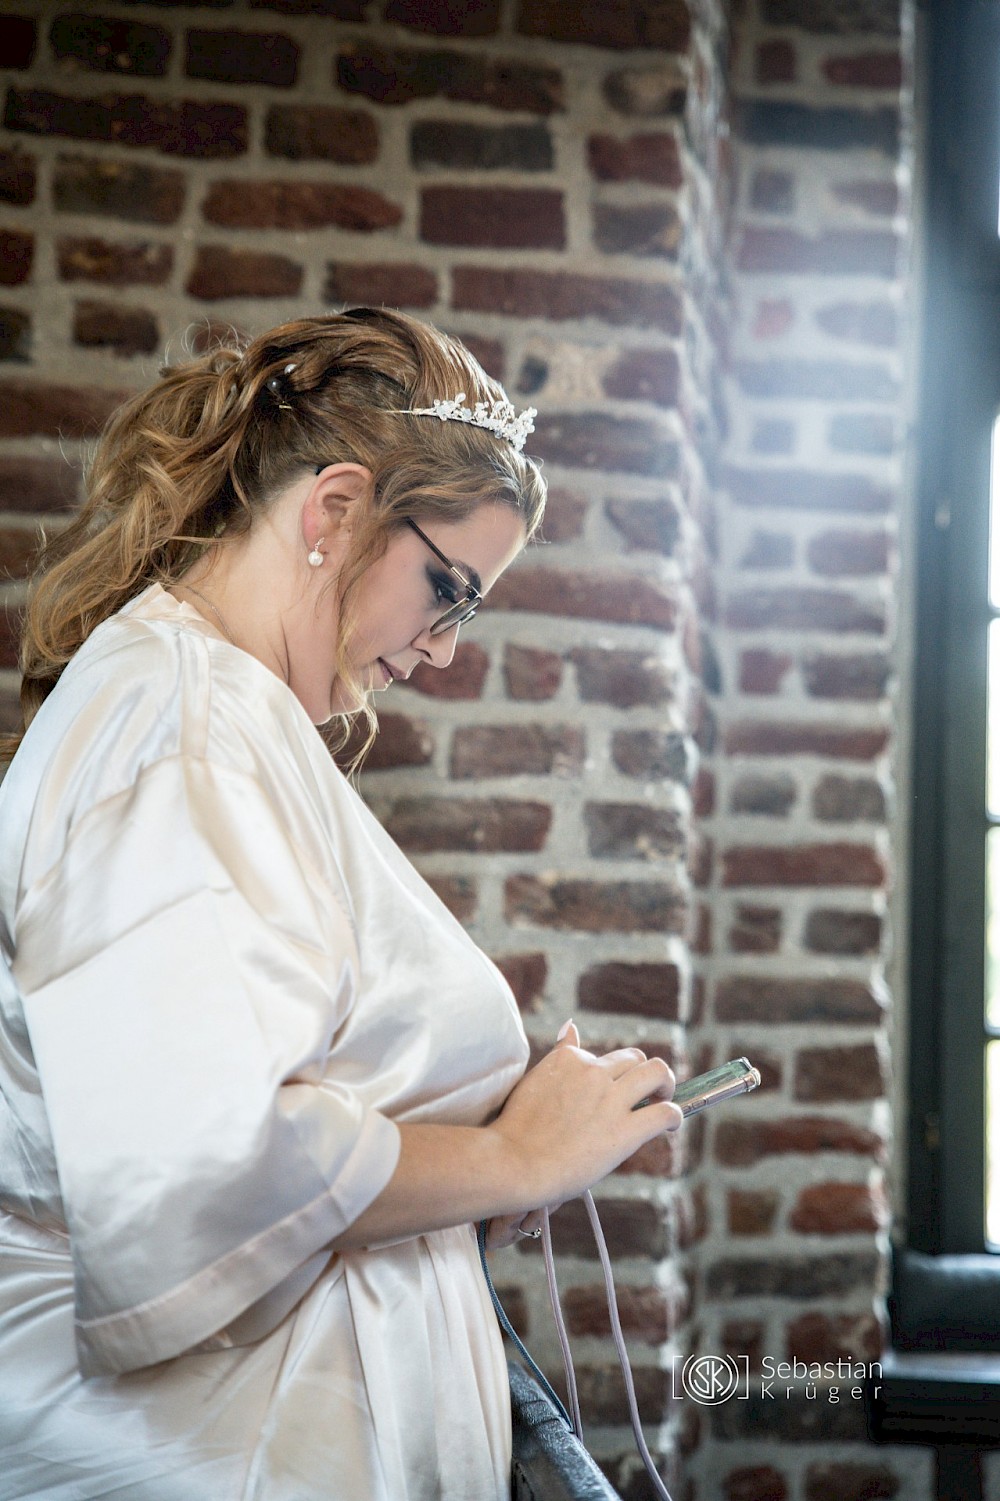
column 563, row 1030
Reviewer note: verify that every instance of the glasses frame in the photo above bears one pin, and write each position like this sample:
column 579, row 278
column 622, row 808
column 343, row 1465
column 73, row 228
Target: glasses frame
column 463, row 609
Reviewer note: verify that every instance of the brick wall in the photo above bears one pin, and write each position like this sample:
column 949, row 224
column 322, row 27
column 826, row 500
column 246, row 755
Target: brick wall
column 544, row 178
column 813, row 516
column 657, row 783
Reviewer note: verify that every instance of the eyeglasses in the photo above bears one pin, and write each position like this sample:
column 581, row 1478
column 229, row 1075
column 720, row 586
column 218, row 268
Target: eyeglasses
column 463, row 609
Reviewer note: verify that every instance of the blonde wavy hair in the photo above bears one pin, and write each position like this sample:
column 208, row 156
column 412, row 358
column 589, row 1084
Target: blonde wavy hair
column 191, row 462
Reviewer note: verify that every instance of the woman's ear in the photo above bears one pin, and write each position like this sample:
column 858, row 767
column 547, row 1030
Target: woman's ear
column 333, row 500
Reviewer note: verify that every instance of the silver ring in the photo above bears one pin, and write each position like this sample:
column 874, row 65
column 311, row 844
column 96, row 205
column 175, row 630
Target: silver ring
column 531, row 1234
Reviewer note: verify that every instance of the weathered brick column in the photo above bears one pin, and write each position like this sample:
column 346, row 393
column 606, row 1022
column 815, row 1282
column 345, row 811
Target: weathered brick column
column 544, row 178
column 812, row 511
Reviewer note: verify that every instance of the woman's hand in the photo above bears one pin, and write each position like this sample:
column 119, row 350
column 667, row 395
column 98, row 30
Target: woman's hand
column 572, row 1119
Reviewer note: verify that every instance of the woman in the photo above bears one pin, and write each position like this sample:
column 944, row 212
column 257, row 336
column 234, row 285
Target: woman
column 258, row 1085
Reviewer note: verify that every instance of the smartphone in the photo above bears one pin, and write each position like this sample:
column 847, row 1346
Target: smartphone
column 737, row 1077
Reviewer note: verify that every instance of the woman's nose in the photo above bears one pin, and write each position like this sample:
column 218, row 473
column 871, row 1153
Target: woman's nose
column 438, row 650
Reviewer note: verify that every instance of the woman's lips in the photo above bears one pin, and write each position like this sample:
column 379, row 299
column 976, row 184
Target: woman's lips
column 387, row 672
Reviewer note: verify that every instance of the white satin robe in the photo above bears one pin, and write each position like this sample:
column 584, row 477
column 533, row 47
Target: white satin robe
column 223, row 985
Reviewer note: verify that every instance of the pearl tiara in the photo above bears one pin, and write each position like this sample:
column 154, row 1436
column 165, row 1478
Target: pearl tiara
column 497, row 417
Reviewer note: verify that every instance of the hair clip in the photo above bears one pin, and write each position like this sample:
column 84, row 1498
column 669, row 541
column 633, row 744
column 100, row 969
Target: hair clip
column 497, row 417
column 276, row 384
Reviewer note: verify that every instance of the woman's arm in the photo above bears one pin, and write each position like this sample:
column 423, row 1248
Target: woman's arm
column 569, row 1122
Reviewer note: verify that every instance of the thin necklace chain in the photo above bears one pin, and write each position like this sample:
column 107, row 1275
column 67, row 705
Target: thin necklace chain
column 217, row 613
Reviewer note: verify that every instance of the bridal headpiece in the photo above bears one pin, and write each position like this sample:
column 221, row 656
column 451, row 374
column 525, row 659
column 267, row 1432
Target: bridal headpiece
column 497, row 417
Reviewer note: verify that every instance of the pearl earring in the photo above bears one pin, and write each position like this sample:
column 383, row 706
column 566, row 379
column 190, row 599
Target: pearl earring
column 315, row 558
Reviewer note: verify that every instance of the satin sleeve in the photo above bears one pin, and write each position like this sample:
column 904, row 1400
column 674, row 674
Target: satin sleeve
column 184, row 969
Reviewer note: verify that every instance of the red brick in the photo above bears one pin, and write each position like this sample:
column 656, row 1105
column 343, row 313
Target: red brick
column 843, row 554
column 750, row 1278
column 862, row 677
column 10, row 636
column 625, row 679
column 397, row 75
column 773, row 318
column 663, row 1158
column 755, row 1483
column 632, row 1227
column 821, row 1337
column 703, row 793
column 807, row 490
column 652, row 754
column 771, row 796
column 178, row 127
column 881, row 199
column 739, row 1143
column 110, row 46
column 401, row 741
column 648, row 526
column 835, row 1074
column 17, row 252
column 242, row 57
column 763, row 671
column 751, row 1211
column 512, row 750
column 625, row 598
column 461, row 145
column 650, row 157
column 532, row 674
column 603, row 1399
column 652, row 229
column 114, row 264
column 774, row 61
column 526, row 975
column 755, row 930
column 446, row 17
column 105, row 325
column 336, row 10
column 643, row 989
column 839, row 1209
column 764, row 738
column 558, row 295
column 220, row 272
column 595, row 906
column 844, row 1481
column 17, row 177
column 838, row 799
column 823, row 380
column 380, row 284
column 321, row 132
column 18, row 39
column 866, row 70
column 634, row 831
column 459, row 894
column 805, row 609
column 118, row 190
column 871, row 323
column 488, row 826
column 759, row 998
column 15, row 335
column 38, row 485
column 647, row 1314
column 803, row 865
column 464, row 679
column 18, row 550
column 661, row 24
column 279, row 204
column 595, row 440
column 34, row 408
column 505, row 218
column 831, row 931
column 644, row 375
column 772, row 191
column 843, row 252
